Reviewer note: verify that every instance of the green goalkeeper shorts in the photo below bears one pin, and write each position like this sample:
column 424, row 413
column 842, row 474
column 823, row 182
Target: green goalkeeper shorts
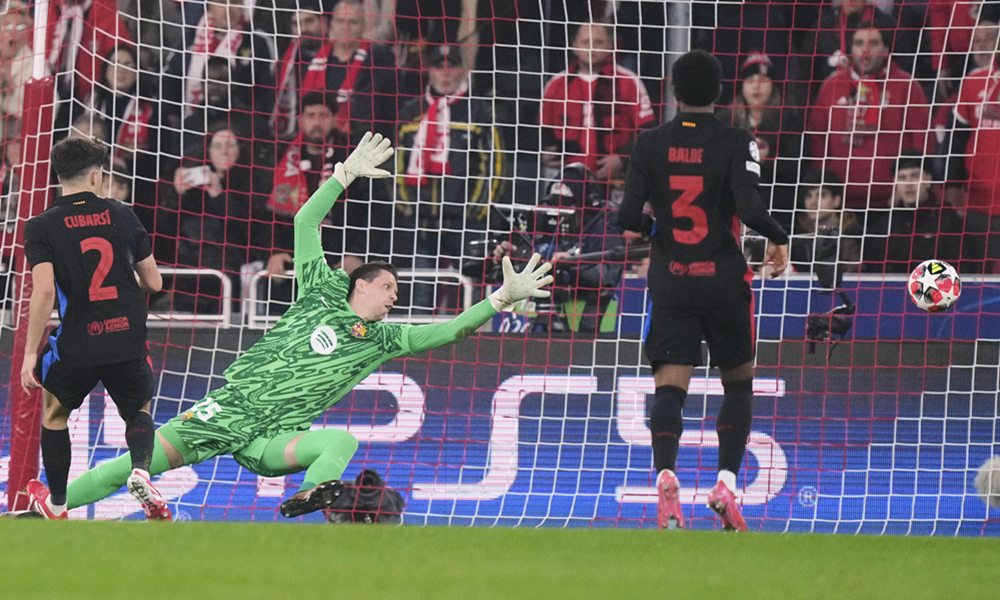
column 223, row 423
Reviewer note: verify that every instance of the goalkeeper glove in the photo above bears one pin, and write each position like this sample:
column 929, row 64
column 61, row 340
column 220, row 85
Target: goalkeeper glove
column 372, row 151
column 518, row 286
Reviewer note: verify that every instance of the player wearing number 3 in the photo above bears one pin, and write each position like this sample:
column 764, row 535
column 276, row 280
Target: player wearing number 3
column 701, row 178
column 94, row 257
column 328, row 342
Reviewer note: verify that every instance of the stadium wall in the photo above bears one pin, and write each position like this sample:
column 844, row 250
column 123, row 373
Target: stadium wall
column 881, row 436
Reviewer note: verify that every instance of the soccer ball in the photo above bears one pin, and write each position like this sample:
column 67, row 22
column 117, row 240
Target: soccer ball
column 934, row 286
column 988, row 482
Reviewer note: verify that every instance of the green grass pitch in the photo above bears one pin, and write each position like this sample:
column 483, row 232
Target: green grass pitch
column 143, row 561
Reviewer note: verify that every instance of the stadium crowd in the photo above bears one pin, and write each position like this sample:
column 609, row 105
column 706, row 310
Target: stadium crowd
column 878, row 126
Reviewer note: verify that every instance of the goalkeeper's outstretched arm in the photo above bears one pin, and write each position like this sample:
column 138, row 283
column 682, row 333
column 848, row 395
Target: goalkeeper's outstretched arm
column 516, row 287
column 371, row 152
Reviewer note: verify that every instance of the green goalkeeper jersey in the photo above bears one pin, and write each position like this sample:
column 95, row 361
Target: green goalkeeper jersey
column 320, row 349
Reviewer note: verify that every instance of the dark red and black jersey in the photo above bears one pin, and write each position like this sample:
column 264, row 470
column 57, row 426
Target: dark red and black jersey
column 93, row 244
column 700, row 177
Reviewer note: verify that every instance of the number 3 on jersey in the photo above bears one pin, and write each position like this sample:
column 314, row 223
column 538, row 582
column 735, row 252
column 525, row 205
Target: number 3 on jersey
column 103, row 268
column 683, row 207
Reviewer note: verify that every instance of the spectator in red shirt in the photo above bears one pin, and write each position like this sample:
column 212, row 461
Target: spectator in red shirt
column 984, row 44
column 973, row 169
column 592, row 112
column 15, row 58
column 952, row 28
column 80, row 32
column 865, row 115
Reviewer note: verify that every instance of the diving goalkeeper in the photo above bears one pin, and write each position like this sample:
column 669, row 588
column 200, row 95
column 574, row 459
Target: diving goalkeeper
column 329, row 340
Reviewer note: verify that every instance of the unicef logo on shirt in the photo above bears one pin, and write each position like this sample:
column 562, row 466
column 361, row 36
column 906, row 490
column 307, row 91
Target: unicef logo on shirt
column 323, row 340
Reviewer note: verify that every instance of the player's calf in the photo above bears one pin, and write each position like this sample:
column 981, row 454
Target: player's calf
column 318, row 498
column 143, row 490
column 40, row 501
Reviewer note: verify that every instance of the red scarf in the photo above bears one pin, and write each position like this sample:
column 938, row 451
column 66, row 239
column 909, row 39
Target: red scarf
column 134, row 132
column 347, row 86
column 209, row 41
column 869, row 93
column 291, row 189
column 429, row 155
column 314, row 80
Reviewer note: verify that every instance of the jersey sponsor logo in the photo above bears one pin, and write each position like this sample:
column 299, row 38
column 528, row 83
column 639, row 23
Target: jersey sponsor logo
column 702, row 269
column 359, row 330
column 108, row 326
column 323, row 340
column 695, row 269
column 685, row 155
column 688, row 124
column 116, row 324
column 91, row 220
column 754, row 151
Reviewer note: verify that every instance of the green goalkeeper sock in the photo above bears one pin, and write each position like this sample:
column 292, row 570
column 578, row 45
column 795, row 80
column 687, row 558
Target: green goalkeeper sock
column 108, row 477
column 326, row 454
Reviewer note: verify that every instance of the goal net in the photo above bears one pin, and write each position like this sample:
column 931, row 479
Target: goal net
column 513, row 123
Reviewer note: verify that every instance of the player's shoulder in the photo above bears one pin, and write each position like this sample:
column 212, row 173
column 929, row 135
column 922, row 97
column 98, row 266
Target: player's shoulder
column 728, row 133
column 341, row 277
column 731, row 130
column 337, row 283
column 44, row 219
column 655, row 133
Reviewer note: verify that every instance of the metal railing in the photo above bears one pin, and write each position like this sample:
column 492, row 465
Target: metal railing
column 223, row 319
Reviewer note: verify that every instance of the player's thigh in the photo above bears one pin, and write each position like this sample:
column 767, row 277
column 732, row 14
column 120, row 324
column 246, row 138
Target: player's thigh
column 674, row 337
column 218, row 424
column 69, row 385
column 729, row 331
column 268, row 456
column 131, row 385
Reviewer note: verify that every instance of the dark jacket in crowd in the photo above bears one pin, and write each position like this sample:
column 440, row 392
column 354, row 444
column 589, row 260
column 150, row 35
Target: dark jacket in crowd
column 899, row 239
column 478, row 168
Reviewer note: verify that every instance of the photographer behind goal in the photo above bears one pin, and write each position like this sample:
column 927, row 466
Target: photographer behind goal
column 572, row 228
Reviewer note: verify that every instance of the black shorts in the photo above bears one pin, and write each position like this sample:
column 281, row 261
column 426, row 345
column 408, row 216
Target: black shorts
column 130, row 384
column 676, row 332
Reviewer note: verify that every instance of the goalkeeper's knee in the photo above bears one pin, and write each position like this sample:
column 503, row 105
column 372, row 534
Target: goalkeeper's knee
column 316, row 443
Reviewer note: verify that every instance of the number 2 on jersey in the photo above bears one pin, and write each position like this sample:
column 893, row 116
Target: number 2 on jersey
column 690, row 187
column 103, row 268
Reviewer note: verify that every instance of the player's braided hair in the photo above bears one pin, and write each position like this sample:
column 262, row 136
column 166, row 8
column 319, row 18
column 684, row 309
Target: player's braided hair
column 369, row 271
column 697, row 78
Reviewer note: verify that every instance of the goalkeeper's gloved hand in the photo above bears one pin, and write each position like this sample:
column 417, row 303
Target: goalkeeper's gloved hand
column 372, row 151
column 518, row 286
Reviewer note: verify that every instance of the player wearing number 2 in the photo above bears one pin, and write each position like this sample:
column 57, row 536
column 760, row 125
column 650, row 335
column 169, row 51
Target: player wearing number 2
column 328, row 341
column 701, row 179
column 94, row 257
